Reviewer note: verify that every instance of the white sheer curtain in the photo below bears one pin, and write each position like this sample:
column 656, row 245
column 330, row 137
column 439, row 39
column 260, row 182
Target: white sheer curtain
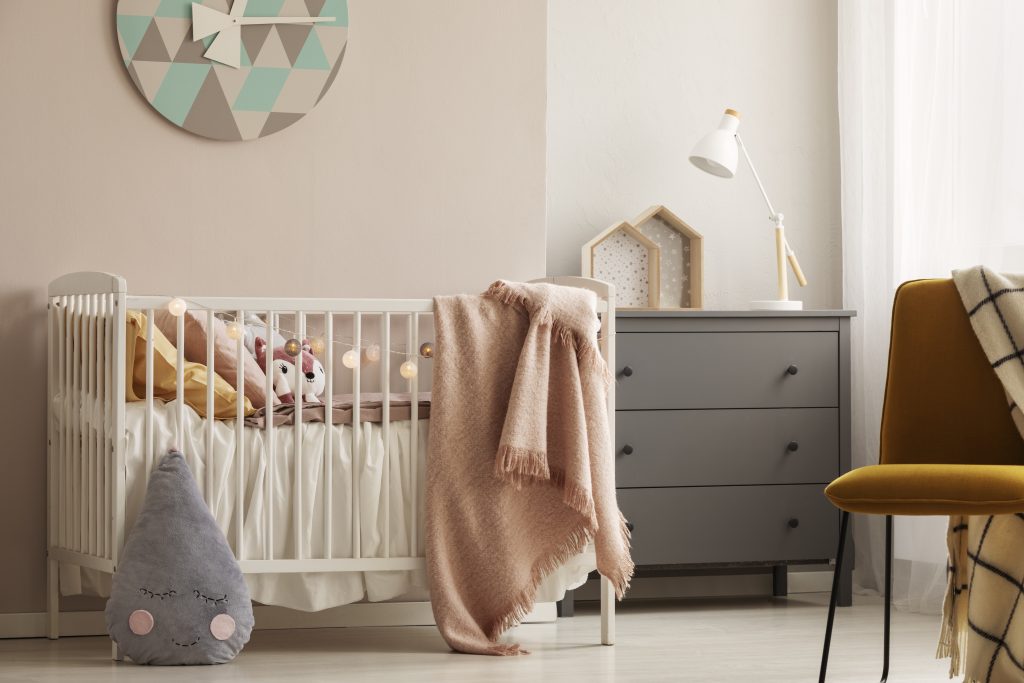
column 931, row 117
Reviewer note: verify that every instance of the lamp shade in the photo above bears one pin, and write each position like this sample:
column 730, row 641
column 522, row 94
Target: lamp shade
column 716, row 153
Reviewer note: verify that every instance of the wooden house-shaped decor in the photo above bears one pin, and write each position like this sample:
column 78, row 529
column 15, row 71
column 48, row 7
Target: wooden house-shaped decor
column 626, row 258
column 681, row 248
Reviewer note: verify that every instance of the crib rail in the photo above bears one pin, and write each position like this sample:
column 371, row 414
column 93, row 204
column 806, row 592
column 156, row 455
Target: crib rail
column 87, row 395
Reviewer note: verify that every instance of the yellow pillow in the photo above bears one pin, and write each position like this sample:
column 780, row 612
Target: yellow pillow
column 165, row 365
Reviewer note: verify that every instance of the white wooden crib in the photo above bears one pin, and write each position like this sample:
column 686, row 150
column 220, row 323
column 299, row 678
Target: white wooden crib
column 88, row 432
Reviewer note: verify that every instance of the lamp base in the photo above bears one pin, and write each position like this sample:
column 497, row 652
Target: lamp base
column 777, row 305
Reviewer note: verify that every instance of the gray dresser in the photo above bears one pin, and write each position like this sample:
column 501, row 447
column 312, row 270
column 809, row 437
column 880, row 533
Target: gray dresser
column 728, row 426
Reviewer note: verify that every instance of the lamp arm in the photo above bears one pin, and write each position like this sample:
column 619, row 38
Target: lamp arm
column 771, row 209
column 775, row 218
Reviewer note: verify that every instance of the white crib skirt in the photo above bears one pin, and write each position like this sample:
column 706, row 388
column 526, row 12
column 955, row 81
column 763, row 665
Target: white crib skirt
column 309, row 591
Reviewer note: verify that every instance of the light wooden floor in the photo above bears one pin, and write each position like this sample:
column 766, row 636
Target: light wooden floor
column 706, row 640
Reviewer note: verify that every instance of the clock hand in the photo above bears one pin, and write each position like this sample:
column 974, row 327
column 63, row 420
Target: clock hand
column 253, row 21
column 226, row 47
column 238, row 7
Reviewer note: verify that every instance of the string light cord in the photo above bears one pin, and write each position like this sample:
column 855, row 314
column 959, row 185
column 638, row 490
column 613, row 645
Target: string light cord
column 177, row 306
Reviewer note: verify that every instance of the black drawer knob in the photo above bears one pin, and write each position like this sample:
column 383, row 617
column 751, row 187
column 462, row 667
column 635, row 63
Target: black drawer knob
column 627, row 449
column 794, row 523
column 627, row 371
column 629, row 525
column 792, row 447
column 792, row 370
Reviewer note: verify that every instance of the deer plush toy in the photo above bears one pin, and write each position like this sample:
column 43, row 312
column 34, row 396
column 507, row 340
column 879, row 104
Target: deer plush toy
column 287, row 383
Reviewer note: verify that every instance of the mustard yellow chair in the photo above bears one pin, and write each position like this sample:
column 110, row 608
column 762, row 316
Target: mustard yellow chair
column 948, row 444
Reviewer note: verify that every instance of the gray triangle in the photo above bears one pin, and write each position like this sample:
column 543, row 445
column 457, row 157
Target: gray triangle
column 315, row 7
column 293, row 37
column 253, row 38
column 178, row 568
column 334, row 73
column 191, row 51
column 151, row 48
column 211, row 115
column 278, row 121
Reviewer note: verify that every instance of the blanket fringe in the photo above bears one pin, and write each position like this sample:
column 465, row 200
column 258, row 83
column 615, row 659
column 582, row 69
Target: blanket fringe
column 521, row 605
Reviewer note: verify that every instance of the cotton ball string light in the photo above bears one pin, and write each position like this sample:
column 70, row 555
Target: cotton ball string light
column 177, row 307
column 408, row 369
column 371, row 353
column 427, row 349
column 350, row 359
column 293, row 347
column 318, row 346
column 235, row 330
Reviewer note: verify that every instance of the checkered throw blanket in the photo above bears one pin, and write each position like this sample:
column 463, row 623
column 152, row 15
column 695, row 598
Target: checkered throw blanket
column 986, row 560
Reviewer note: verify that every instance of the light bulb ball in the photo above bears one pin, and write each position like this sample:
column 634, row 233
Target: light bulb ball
column 372, row 353
column 318, row 346
column 177, row 307
column 235, row 330
column 293, row 347
column 408, row 369
column 350, row 359
column 427, row 349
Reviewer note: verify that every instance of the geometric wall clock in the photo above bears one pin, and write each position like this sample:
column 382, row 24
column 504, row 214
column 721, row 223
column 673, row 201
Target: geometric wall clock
column 232, row 70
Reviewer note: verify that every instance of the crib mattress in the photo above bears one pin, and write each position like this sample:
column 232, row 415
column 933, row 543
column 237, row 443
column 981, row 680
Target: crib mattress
column 310, row 591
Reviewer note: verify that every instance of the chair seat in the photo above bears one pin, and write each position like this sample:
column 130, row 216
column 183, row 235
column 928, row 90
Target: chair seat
column 930, row 490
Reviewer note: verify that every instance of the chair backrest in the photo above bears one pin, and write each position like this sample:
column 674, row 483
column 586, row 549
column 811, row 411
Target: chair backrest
column 943, row 401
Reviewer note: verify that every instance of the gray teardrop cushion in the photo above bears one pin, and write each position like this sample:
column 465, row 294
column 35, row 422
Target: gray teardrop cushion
column 178, row 595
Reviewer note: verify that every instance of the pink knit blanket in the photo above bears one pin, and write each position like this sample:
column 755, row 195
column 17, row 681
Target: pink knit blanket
column 520, row 471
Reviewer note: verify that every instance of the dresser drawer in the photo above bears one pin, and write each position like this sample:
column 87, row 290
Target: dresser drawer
column 727, row 370
column 722, row 447
column 723, row 524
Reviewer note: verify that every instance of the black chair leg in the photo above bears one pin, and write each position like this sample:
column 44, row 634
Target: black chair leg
column 843, row 524
column 888, row 597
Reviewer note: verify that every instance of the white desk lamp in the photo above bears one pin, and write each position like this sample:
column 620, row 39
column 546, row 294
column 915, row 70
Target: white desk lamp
column 716, row 153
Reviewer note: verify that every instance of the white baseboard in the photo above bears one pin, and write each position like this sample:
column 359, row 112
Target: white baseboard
column 33, row 624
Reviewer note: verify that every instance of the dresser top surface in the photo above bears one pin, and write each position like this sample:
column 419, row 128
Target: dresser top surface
column 692, row 313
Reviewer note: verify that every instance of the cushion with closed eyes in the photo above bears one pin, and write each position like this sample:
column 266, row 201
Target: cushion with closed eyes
column 178, row 595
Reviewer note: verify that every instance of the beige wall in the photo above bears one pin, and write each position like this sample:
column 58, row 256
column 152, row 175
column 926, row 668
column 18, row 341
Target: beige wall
column 633, row 85
column 421, row 172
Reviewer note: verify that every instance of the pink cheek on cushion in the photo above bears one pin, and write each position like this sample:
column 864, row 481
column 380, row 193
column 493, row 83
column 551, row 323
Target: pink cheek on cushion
column 222, row 626
column 140, row 622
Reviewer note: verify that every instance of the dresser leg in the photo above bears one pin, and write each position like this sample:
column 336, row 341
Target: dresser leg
column 567, row 605
column 780, row 580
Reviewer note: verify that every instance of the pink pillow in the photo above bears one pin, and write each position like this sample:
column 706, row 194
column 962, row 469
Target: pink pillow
column 225, row 352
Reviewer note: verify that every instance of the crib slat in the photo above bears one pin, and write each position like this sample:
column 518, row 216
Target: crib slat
column 211, row 321
column 357, row 333
column 385, row 383
column 150, row 436
column 414, row 436
column 268, row 550
column 328, row 435
column 78, row 384
column 239, row 446
column 52, row 448
column 180, row 394
column 300, row 318
column 108, row 407
column 62, row 390
column 89, row 435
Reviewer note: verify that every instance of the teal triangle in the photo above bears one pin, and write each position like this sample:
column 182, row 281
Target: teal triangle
column 263, row 8
column 131, row 29
column 245, row 57
column 178, row 90
column 175, row 8
column 337, row 9
column 261, row 88
column 312, row 55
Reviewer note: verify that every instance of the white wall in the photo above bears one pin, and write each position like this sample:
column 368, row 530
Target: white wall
column 421, row 172
column 633, row 85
